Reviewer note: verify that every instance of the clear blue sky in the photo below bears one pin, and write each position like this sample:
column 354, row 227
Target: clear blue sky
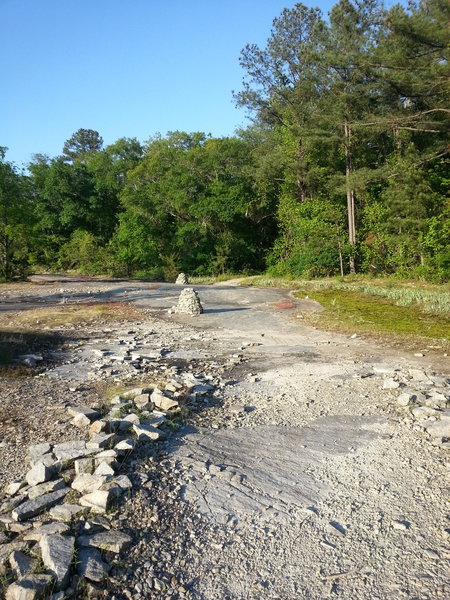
column 124, row 68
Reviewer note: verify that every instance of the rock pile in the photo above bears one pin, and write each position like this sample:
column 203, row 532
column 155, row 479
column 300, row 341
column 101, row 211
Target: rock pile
column 58, row 509
column 182, row 279
column 188, row 303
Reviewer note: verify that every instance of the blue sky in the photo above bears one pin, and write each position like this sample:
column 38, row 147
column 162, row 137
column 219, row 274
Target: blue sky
column 124, row 68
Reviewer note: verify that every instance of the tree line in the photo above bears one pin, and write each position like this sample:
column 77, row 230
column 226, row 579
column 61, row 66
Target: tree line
column 344, row 167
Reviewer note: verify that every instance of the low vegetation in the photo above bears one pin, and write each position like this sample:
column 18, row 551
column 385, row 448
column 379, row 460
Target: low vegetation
column 401, row 312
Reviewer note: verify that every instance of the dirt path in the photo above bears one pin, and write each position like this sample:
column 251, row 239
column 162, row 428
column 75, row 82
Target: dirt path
column 298, row 475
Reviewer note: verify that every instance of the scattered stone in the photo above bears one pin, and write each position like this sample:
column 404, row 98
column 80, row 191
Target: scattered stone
column 125, row 446
column 112, row 541
column 89, row 413
column 188, row 303
column 70, row 450
column 45, row 529
column 46, row 488
column 418, row 375
column 86, row 483
column 39, row 473
column 30, row 509
column 147, row 432
column 30, row 587
column 135, row 392
column 101, row 440
column 104, row 469
column 123, row 482
column 65, row 512
column 21, row 564
column 163, row 402
column 14, row 487
column 401, row 525
column 98, row 427
column 142, row 401
column 405, row 398
column 100, row 500
column 441, row 428
column 182, row 279
column 84, row 466
column 383, row 369
column 390, row 384
column 91, row 566
column 336, row 528
column 57, row 555
column 420, row 412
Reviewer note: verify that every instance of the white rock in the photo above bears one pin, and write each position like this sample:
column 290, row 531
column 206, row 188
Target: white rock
column 30, row 587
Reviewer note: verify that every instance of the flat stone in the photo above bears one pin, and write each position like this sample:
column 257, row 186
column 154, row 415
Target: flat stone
column 81, row 421
column 418, row 375
column 112, row 541
column 85, row 483
column 14, row 487
column 135, row 392
column 30, row 509
column 46, row 488
column 98, row 427
column 147, row 432
column 35, row 451
column 125, row 445
column 90, row 413
column 57, row 556
column 39, row 473
column 104, row 469
column 405, row 398
column 100, row 500
column 101, row 440
column 142, row 401
column 90, row 565
column 390, row 384
column 163, row 402
column 155, row 421
column 30, row 587
column 47, row 528
column 123, row 481
column 84, row 466
column 441, row 428
column 7, row 549
column 21, row 563
column 420, row 412
column 71, row 450
column 65, row 512
column 383, row 369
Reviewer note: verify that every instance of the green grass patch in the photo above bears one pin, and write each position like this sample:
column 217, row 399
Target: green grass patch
column 407, row 312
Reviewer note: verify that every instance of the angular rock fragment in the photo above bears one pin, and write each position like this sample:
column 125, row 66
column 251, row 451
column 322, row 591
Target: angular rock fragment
column 57, row 555
column 147, row 432
column 104, row 469
column 125, row 446
column 84, row 466
column 163, row 402
column 85, row 483
column 441, row 428
column 101, row 440
column 91, row 566
column 100, row 500
column 90, row 413
column 30, row 587
column 47, row 528
column 71, row 450
column 46, row 488
column 30, row 509
column 39, row 473
column 14, row 487
column 112, row 541
column 22, row 564
column 66, row 512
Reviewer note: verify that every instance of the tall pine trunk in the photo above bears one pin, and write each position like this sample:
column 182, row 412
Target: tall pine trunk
column 350, row 197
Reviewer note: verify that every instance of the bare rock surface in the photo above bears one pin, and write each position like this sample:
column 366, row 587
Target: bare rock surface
column 292, row 463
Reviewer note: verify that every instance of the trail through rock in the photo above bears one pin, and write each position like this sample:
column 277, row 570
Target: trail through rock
column 299, row 473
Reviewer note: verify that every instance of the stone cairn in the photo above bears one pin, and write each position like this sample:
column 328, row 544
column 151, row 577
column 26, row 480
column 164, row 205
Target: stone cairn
column 58, row 508
column 182, row 279
column 188, row 303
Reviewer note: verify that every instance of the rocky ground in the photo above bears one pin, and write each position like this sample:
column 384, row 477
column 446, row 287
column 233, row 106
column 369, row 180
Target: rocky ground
column 298, row 464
